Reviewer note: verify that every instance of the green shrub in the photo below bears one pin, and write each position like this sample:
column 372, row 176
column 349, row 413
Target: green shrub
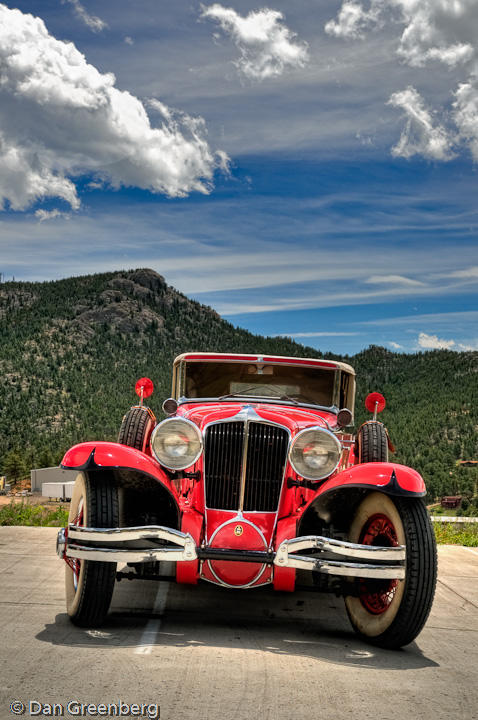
column 457, row 534
column 33, row 515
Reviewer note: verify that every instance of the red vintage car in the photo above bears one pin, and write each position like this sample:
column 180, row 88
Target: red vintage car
column 253, row 480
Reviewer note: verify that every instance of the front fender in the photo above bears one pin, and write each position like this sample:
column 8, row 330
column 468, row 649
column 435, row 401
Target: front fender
column 99, row 455
column 390, row 478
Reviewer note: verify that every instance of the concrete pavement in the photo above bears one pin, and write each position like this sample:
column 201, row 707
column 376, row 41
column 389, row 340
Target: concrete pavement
column 204, row 652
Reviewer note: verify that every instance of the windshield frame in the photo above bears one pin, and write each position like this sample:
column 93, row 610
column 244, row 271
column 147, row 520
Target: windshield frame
column 342, row 372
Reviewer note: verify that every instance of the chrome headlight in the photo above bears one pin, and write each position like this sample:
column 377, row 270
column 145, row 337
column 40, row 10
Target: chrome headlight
column 315, row 453
column 176, row 443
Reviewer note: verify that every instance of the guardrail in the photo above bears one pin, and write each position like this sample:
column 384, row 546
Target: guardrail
column 453, row 519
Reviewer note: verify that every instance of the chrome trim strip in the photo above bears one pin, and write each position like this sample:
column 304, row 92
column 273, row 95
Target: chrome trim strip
column 353, row 570
column 145, row 532
column 242, row 482
column 361, row 570
column 61, row 543
column 184, row 548
column 131, row 556
column 341, row 547
column 248, row 414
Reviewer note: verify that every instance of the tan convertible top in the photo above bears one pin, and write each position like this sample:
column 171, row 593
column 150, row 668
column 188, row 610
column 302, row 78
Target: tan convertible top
column 239, row 357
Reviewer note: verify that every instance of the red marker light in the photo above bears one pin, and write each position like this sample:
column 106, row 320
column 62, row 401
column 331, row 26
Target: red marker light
column 375, row 403
column 144, row 388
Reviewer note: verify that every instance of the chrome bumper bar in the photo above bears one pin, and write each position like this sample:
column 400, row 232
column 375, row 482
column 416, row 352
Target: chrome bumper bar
column 106, row 546
column 377, row 558
column 184, row 547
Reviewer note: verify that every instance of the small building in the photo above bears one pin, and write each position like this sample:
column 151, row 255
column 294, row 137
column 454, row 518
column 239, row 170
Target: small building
column 451, row 501
column 53, row 482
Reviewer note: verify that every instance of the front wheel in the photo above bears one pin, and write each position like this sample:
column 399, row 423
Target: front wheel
column 89, row 584
column 391, row 613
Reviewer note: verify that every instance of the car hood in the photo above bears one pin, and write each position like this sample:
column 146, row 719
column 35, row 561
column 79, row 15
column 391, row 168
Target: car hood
column 291, row 417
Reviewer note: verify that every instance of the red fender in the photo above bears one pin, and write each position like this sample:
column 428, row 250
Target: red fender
column 390, row 478
column 284, row 578
column 95, row 455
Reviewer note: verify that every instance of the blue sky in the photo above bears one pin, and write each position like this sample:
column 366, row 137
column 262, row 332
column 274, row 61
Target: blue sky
column 306, row 169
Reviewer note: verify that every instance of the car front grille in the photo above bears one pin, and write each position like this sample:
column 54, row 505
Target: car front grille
column 265, row 462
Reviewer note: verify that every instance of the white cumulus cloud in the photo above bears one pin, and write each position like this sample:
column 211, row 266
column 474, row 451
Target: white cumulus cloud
column 440, row 30
column 353, row 20
column 60, row 118
column 421, row 136
column 92, row 21
column 267, row 46
column 430, row 32
column 433, row 342
column 466, row 114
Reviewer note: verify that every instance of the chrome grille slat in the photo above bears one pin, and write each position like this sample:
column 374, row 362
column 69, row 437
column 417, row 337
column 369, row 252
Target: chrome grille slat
column 266, row 458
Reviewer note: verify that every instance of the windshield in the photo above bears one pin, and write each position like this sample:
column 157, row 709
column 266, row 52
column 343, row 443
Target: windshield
column 305, row 385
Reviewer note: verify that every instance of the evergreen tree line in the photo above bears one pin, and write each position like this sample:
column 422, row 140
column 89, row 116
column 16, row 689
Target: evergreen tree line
column 72, row 350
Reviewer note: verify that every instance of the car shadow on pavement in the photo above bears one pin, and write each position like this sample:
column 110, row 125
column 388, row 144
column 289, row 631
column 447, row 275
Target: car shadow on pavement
column 290, row 637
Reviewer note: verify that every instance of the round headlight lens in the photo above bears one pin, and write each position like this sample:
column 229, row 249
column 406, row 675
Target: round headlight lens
column 315, row 453
column 176, row 443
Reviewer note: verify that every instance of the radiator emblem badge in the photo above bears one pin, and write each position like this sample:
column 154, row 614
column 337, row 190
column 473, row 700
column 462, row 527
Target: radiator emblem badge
column 238, row 530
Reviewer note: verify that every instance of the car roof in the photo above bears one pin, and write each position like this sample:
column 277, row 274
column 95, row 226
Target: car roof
column 236, row 357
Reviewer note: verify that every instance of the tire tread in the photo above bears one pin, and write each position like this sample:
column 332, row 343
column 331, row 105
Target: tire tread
column 373, row 442
column 99, row 577
column 135, row 427
column 420, row 578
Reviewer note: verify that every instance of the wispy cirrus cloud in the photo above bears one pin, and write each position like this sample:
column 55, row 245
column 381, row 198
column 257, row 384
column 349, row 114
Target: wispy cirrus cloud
column 92, row 21
column 393, row 280
column 470, row 273
column 60, row 118
column 267, row 47
column 43, row 215
column 316, row 334
column 450, row 318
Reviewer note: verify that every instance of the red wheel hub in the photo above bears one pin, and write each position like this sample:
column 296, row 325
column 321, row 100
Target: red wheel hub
column 377, row 596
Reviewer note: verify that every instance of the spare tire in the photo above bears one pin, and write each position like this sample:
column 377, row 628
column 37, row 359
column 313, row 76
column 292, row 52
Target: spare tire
column 372, row 442
column 136, row 428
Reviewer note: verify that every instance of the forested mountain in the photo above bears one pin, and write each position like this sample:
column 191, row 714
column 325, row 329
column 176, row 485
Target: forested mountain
column 71, row 351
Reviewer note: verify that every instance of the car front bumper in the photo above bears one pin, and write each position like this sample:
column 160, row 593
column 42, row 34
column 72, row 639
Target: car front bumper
column 154, row 543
